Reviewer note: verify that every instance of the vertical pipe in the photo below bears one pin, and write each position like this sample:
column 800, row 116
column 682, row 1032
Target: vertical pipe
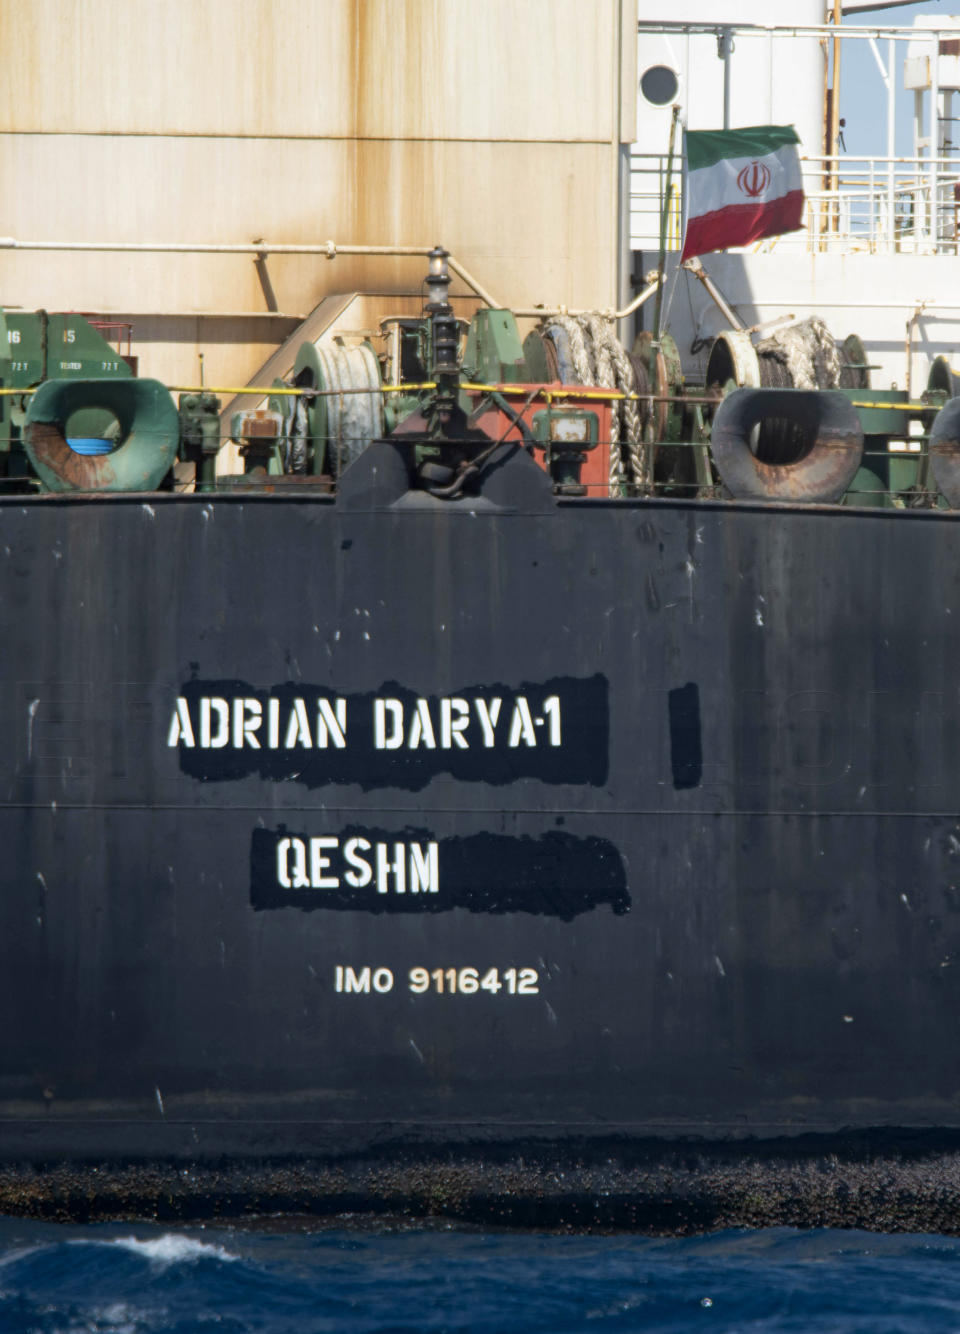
column 614, row 283
column 908, row 352
column 823, row 218
column 624, row 16
column 626, row 133
column 835, row 114
column 873, row 210
column 727, row 44
column 934, row 136
column 891, row 123
column 912, row 323
column 626, row 327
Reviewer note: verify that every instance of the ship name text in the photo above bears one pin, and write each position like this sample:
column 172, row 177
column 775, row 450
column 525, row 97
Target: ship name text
column 412, row 869
column 215, row 722
column 326, row 862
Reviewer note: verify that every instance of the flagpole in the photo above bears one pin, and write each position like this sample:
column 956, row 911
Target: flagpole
column 664, row 218
column 658, row 306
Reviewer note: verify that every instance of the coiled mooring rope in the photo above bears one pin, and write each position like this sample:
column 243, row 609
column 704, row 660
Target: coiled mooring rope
column 599, row 358
column 802, row 356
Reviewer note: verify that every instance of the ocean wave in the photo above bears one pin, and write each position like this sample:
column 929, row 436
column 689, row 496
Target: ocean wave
column 169, row 1249
column 160, row 1251
column 154, row 1279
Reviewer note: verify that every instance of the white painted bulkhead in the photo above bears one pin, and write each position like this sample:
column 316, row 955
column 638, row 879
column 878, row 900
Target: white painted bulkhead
column 773, row 80
column 860, row 271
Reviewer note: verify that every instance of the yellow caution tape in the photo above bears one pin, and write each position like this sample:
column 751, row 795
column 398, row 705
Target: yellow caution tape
column 897, row 407
column 547, row 392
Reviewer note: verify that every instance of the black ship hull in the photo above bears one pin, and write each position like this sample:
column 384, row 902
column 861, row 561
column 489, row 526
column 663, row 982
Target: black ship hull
column 293, row 913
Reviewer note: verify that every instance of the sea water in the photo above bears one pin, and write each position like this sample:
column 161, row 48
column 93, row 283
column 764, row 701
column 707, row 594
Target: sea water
column 128, row 1279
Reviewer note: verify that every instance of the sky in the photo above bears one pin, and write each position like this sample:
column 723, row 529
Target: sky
column 862, row 103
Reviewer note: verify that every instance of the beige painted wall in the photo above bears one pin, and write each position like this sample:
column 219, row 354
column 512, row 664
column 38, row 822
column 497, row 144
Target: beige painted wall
column 348, row 69
column 491, row 126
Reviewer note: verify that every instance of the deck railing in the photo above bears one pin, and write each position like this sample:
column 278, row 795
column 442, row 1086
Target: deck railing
column 880, row 205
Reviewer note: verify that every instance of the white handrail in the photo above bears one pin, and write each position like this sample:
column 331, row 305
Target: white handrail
column 880, row 203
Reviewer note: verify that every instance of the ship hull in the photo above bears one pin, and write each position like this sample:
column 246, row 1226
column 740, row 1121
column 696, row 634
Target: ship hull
column 293, row 913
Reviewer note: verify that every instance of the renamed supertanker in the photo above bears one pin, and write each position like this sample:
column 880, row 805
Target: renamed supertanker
column 540, row 806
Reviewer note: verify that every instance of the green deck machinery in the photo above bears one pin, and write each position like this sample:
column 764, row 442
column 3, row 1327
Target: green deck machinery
column 36, row 347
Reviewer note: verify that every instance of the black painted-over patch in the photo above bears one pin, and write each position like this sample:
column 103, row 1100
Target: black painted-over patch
column 686, row 746
column 555, row 875
column 580, row 757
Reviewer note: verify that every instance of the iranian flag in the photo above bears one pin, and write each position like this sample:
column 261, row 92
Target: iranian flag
column 740, row 185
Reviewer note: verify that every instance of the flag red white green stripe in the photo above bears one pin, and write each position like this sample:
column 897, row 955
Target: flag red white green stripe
column 740, row 185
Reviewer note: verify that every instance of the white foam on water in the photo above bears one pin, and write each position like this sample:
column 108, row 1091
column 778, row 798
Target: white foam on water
column 11, row 1257
column 172, row 1249
column 118, row 1318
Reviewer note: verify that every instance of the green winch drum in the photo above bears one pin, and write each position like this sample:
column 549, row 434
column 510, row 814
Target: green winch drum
column 135, row 421
column 348, row 412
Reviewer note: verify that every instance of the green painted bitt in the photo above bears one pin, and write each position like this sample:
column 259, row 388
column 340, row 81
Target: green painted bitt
column 199, row 428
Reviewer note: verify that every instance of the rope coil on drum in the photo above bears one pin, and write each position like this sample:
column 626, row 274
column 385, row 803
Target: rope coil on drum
column 803, row 356
column 800, row 356
column 585, row 350
column 328, row 434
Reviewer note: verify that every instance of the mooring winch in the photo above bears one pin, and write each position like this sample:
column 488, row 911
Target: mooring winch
column 789, row 415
